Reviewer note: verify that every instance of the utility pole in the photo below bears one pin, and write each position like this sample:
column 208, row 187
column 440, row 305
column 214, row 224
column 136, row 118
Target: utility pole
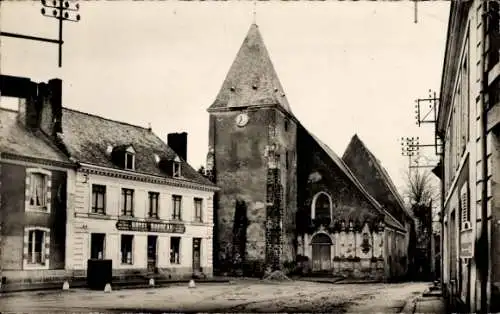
column 409, row 148
column 416, row 11
column 429, row 116
column 426, row 113
column 62, row 11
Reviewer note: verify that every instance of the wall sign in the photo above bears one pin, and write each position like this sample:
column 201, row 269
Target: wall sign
column 466, row 244
column 146, row 226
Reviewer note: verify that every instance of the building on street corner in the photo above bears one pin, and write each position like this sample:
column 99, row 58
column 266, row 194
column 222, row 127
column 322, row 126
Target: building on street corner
column 83, row 187
column 468, row 125
column 136, row 200
column 34, row 177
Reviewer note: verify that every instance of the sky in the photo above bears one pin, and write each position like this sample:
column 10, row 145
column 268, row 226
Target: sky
column 346, row 67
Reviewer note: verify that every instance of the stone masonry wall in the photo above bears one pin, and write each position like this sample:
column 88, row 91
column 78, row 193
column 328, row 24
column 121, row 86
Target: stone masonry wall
column 240, row 170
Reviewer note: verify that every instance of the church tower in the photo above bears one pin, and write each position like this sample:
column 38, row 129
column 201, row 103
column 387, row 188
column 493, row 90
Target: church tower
column 252, row 158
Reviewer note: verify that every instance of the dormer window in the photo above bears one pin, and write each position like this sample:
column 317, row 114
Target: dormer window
column 123, row 156
column 129, row 161
column 176, row 170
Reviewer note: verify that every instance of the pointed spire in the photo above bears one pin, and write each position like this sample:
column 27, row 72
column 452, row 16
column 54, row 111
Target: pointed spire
column 251, row 80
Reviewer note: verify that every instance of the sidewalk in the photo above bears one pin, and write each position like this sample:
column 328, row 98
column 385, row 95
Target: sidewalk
column 431, row 302
column 116, row 284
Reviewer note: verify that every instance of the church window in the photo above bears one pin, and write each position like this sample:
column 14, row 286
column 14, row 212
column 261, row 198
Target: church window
column 322, row 206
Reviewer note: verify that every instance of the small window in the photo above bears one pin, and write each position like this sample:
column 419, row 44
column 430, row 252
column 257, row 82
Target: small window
column 153, row 204
column 38, row 190
column 98, row 199
column 36, row 247
column 129, row 161
column 127, row 202
column 126, row 249
column 176, row 169
column 198, row 203
column 286, row 125
column 175, row 249
column 97, row 244
column 287, row 162
column 177, row 206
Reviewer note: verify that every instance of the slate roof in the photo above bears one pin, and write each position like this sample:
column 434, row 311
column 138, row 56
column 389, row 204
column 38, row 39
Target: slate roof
column 88, row 136
column 391, row 188
column 16, row 139
column 251, row 80
column 355, row 214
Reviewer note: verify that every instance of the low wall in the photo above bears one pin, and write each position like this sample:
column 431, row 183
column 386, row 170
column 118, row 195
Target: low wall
column 372, row 269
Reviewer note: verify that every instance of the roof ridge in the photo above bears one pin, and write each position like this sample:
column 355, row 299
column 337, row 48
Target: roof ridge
column 388, row 180
column 348, row 172
column 107, row 119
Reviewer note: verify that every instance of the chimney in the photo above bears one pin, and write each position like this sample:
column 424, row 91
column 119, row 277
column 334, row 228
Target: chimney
column 178, row 142
column 27, row 92
column 51, row 115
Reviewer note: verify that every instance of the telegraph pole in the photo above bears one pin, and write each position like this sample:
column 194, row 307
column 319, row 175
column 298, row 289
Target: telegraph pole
column 409, row 148
column 426, row 113
column 429, row 116
column 62, row 11
column 416, row 11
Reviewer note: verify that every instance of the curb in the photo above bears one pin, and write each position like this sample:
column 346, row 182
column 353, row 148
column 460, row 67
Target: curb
column 410, row 305
column 116, row 285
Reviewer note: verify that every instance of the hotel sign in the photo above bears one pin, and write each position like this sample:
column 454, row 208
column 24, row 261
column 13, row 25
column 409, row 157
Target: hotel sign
column 147, row 226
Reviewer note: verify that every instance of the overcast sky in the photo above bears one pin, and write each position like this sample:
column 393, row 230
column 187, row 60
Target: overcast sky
column 346, row 67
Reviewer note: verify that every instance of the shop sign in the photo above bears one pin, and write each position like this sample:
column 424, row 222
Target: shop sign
column 147, row 226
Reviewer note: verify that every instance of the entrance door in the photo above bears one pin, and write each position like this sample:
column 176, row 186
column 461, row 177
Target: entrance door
column 196, row 254
column 152, row 254
column 321, row 253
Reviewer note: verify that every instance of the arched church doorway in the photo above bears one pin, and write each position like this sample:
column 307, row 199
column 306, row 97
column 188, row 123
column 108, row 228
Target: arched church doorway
column 321, row 252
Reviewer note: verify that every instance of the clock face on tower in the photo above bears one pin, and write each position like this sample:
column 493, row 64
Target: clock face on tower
column 241, row 119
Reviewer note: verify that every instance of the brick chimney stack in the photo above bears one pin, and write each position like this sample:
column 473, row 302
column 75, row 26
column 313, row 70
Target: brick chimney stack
column 178, row 142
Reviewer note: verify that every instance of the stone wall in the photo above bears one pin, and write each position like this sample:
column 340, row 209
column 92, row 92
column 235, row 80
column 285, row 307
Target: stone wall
column 354, row 253
column 255, row 165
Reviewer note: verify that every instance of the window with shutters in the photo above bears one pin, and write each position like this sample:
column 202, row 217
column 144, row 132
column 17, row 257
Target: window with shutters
column 98, row 199
column 38, row 190
column 127, row 202
column 464, row 208
column 153, row 204
column 466, row 97
column 36, row 248
column 177, row 207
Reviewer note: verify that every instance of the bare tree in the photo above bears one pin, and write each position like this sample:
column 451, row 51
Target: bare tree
column 422, row 188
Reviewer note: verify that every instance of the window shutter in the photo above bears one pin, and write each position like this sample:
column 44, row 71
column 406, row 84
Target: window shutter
column 464, row 204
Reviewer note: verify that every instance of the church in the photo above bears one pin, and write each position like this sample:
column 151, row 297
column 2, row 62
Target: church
column 286, row 200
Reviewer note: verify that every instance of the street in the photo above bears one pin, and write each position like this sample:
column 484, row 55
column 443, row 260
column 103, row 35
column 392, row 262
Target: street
column 241, row 296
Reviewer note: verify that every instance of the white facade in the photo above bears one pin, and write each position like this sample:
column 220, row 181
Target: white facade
column 82, row 222
column 465, row 93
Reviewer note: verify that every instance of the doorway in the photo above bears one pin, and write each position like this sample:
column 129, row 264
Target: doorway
column 97, row 245
column 321, row 253
column 196, row 254
column 152, row 254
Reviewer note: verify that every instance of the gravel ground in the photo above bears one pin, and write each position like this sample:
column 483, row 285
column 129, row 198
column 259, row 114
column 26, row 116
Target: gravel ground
column 248, row 296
